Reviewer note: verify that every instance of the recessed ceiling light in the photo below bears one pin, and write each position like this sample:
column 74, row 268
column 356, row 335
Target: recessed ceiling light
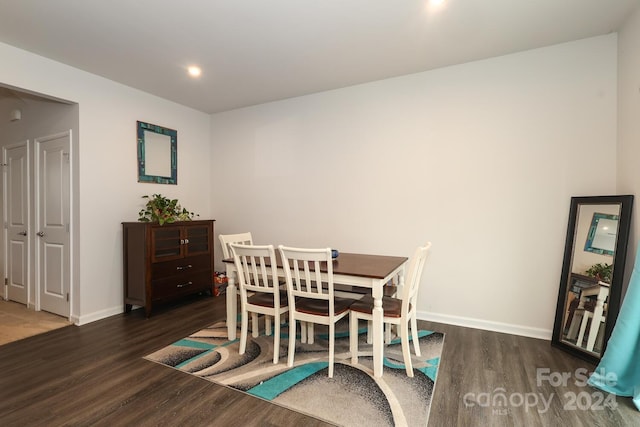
column 436, row 2
column 194, row 71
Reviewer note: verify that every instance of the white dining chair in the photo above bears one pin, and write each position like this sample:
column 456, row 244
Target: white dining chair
column 258, row 274
column 245, row 239
column 311, row 299
column 397, row 311
column 227, row 239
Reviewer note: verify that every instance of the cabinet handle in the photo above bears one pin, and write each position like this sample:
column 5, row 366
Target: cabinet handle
column 184, row 267
column 186, row 241
column 182, row 285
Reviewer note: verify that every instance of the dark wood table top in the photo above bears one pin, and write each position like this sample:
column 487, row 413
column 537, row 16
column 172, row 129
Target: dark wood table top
column 361, row 265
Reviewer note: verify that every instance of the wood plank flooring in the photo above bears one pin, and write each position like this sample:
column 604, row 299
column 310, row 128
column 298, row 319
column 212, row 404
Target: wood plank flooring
column 94, row 375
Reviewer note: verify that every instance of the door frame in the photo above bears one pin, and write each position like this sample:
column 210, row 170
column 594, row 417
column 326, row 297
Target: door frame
column 71, row 119
column 33, row 281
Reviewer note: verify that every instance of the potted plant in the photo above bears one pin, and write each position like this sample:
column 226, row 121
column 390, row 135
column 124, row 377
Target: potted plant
column 163, row 210
column 601, row 272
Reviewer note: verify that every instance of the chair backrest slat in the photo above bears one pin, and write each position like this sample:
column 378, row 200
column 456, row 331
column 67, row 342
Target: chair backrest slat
column 257, row 269
column 303, row 271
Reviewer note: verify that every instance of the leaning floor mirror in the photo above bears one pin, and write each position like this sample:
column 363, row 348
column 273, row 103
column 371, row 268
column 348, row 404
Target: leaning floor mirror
column 592, row 274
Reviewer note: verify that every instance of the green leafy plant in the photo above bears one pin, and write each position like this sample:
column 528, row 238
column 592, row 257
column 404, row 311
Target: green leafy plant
column 163, row 210
column 601, row 272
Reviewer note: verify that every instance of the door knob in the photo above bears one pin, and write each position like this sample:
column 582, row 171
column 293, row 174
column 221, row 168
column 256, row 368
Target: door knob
column 40, row 233
column 22, row 233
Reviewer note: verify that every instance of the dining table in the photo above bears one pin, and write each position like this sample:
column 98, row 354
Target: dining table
column 352, row 269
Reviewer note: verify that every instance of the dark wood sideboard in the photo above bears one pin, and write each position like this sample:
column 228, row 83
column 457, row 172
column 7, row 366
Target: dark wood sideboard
column 163, row 263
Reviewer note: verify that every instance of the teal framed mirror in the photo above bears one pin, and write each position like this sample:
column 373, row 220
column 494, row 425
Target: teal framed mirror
column 601, row 238
column 157, row 154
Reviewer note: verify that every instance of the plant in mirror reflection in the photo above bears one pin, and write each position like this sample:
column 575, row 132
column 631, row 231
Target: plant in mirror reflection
column 163, row 210
column 601, row 271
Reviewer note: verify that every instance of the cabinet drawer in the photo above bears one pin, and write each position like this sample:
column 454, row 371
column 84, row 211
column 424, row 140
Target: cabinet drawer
column 181, row 285
column 180, row 266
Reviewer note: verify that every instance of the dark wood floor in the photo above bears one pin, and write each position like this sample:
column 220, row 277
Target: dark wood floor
column 95, row 375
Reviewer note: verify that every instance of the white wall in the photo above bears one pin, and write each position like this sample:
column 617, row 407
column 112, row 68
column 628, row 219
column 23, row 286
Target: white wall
column 106, row 190
column 629, row 124
column 480, row 158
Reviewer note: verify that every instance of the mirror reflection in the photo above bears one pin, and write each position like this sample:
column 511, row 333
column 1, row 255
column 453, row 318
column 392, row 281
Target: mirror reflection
column 591, row 269
column 592, row 274
column 157, row 154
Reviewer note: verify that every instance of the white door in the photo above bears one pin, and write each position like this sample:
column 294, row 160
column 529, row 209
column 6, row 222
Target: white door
column 52, row 222
column 16, row 220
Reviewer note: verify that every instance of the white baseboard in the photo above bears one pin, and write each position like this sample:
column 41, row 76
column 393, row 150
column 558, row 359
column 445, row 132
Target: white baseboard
column 468, row 322
column 98, row 315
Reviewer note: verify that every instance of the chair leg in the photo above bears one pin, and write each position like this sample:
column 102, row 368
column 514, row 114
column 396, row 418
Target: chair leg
column 406, row 353
column 387, row 333
column 414, row 335
column 243, row 332
column 254, row 323
column 303, row 332
column 332, row 331
column 310, row 333
column 292, row 340
column 267, row 325
column 276, row 338
column 353, row 337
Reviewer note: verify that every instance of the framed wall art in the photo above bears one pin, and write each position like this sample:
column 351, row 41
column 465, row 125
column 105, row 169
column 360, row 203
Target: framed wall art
column 157, row 154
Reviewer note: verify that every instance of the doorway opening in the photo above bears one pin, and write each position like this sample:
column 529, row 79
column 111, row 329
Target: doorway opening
column 37, row 141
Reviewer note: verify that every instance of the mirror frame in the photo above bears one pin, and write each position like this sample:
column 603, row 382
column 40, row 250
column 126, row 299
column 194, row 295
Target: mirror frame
column 617, row 277
column 143, row 127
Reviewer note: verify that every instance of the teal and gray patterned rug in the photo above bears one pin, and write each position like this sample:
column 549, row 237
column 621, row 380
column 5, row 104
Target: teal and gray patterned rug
column 353, row 397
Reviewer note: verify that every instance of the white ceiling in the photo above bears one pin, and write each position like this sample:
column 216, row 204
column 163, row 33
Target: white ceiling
column 256, row 51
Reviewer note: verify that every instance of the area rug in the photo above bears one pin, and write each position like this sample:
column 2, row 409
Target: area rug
column 353, row 397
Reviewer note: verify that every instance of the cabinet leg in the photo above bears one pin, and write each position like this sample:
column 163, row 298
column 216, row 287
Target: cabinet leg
column 127, row 308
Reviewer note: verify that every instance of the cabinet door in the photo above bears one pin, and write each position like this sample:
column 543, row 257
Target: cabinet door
column 167, row 243
column 198, row 239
